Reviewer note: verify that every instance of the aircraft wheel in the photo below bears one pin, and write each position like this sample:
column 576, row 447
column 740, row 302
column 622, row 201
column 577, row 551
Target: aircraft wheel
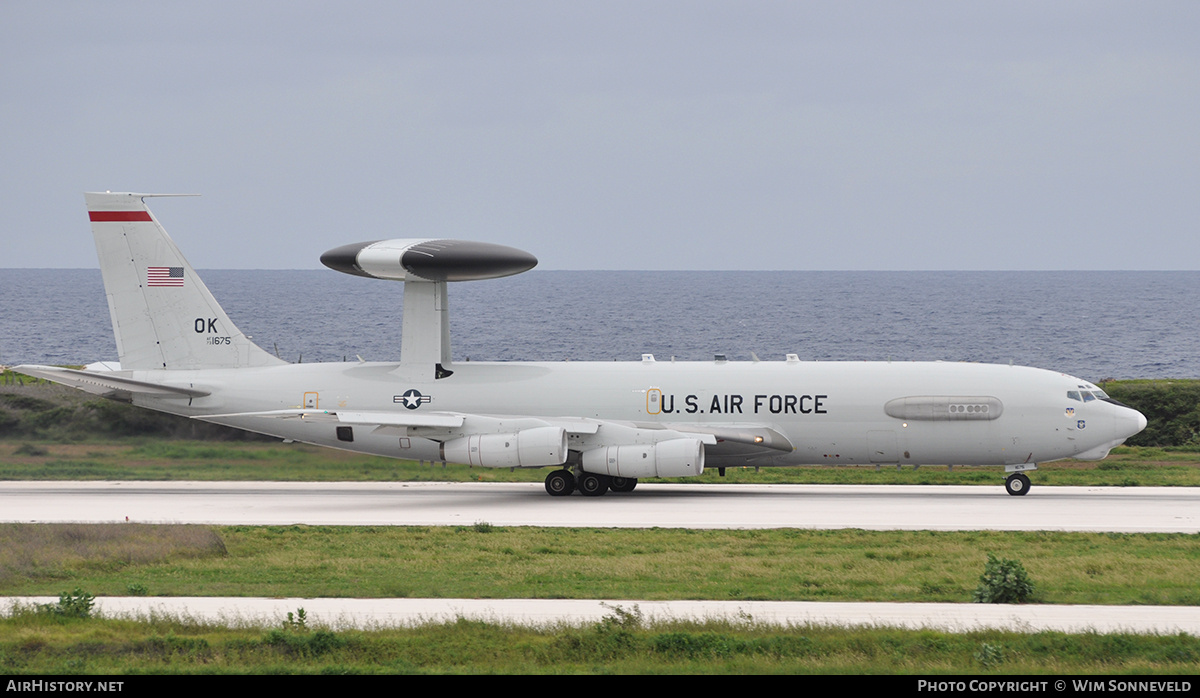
column 593, row 485
column 1017, row 484
column 622, row 484
column 560, row 483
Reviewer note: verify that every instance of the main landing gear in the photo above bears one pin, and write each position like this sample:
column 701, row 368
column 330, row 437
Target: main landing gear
column 561, row 483
column 591, row 484
column 1017, row 484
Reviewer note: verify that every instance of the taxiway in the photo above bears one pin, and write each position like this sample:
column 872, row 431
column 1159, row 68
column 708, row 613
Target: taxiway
column 374, row 613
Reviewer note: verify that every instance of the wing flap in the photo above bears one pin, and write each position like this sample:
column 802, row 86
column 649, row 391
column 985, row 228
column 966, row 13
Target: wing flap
column 382, row 419
column 741, row 434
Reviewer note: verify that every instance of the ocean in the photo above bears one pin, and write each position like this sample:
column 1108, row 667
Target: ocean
column 1091, row 324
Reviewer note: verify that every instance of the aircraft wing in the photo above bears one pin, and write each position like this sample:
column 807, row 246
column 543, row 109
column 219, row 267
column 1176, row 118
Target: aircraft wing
column 583, row 433
column 107, row 385
column 437, row 426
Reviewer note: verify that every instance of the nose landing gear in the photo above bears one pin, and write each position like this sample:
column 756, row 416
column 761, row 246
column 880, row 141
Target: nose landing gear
column 1017, row 484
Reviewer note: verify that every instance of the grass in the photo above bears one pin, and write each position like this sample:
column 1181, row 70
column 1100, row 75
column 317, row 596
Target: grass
column 484, row 561
column 33, row 643
column 30, row 551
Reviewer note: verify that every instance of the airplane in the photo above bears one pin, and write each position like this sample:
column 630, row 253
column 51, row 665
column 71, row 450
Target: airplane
column 601, row 426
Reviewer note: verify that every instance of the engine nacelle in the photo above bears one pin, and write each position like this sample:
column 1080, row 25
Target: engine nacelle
column 528, row 448
column 674, row 458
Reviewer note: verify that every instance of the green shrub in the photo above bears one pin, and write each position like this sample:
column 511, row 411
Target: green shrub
column 1003, row 581
column 990, row 655
column 55, row 412
column 26, row 403
column 297, row 620
column 9, row 424
column 302, row 643
column 77, row 604
column 1172, row 409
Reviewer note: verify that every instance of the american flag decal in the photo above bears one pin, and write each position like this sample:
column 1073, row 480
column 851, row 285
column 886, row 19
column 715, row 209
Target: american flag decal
column 164, row 276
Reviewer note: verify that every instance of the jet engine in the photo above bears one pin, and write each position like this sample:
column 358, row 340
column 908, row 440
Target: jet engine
column 673, row 458
column 528, row 448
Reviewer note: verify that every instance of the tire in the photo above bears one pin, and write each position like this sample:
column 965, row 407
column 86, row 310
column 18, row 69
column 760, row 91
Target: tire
column 622, row 484
column 592, row 485
column 560, row 483
column 1017, row 484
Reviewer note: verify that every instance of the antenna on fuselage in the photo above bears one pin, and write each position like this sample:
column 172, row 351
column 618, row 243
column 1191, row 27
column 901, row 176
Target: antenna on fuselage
column 425, row 266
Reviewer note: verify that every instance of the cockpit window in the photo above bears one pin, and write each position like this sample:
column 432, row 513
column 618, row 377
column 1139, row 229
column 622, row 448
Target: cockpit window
column 1074, row 395
column 1100, row 394
column 1088, row 397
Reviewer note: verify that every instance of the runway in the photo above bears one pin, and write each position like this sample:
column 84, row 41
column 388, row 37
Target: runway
column 874, row 507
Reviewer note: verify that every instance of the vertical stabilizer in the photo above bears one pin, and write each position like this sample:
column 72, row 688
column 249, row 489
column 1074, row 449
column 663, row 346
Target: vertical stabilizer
column 163, row 316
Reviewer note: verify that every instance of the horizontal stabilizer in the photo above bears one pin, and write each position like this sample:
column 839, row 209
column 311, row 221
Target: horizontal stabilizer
column 99, row 383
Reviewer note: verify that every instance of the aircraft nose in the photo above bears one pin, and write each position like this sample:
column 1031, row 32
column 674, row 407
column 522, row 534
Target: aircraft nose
column 1131, row 421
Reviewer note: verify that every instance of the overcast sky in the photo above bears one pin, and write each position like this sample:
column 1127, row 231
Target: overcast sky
column 614, row 135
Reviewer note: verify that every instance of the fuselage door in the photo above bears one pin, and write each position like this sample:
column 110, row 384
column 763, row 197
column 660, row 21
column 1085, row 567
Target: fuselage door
column 653, row 401
column 310, row 401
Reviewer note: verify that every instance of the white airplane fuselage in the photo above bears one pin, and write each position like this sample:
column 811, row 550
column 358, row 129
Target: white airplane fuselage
column 831, row 412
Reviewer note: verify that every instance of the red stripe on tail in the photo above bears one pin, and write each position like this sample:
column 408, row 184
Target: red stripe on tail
column 118, row 216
